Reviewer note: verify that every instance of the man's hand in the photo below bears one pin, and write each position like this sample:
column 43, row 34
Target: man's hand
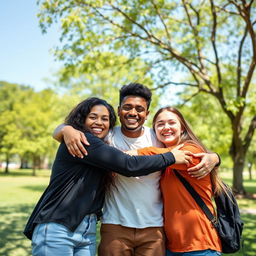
column 207, row 164
column 73, row 139
column 182, row 156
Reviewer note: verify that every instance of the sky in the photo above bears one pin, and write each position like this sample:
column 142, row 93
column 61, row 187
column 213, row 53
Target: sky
column 25, row 56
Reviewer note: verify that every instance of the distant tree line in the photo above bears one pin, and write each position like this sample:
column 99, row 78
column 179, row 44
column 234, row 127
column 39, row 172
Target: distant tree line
column 27, row 120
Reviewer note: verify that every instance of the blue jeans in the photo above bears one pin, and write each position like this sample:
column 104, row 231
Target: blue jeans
column 53, row 239
column 193, row 253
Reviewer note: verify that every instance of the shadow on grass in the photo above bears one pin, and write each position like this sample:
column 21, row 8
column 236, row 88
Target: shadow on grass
column 249, row 234
column 250, row 189
column 35, row 188
column 12, row 223
column 25, row 173
column 14, row 218
column 248, row 238
column 17, row 174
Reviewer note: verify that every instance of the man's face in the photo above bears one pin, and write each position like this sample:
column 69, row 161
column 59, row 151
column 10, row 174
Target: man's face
column 133, row 112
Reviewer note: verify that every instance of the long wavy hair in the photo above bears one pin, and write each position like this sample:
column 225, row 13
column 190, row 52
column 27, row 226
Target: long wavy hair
column 188, row 135
column 76, row 118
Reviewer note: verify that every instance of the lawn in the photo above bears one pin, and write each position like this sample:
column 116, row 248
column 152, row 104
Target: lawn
column 20, row 191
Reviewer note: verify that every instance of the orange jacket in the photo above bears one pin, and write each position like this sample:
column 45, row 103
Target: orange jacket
column 186, row 226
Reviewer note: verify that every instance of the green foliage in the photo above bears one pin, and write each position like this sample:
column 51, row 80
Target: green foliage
column 210, row 124
column 211, row 43
column 36, row 121
column 10, row 95
column 134, row 27
column 102, row 75
column 27, row 119
column 158, row 36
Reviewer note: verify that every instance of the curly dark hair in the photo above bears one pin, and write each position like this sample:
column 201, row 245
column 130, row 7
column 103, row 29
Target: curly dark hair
column 76, row 118
column 135, row 89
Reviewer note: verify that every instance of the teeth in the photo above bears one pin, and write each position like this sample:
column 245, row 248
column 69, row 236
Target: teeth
column 97, row 129
column 132, row 121
column 167, row 134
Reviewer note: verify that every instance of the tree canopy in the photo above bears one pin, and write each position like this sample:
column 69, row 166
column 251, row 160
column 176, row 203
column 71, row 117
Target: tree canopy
column 211, row 44
column 27, row 120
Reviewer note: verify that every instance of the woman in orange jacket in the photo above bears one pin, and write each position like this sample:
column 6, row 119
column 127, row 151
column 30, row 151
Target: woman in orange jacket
column 188, row 231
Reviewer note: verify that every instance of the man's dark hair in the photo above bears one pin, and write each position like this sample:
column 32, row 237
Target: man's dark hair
column 135, row 89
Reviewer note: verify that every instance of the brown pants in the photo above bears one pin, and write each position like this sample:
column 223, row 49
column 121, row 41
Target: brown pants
column 117, row 240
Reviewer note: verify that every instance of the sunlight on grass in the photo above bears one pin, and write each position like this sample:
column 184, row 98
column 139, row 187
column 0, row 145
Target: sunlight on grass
column 20, row 191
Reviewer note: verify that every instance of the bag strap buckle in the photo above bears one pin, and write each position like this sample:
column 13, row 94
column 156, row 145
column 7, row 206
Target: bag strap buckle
column 214, row 221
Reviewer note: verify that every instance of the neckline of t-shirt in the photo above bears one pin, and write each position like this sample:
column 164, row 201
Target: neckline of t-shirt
column 145, row 128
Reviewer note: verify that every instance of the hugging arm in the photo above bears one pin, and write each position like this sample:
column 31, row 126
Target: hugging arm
column 208, row 162
column 109, row 158
column 74, row 139
column 195, row 164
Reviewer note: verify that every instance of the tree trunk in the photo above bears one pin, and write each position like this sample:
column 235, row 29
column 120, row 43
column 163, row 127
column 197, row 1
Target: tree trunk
column 34, row 166
column 250, row 170
column 7, row 160
column 24, row 163
column 238, row 167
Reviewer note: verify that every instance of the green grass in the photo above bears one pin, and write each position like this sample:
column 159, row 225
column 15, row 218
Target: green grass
column 19, row 192
column 249, row 218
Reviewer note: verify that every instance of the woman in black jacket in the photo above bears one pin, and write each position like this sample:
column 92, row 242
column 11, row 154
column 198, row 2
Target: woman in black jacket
column 64, row 220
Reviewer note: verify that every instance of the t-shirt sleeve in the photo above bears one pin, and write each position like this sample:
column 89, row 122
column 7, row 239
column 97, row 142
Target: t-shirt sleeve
column 188, row 147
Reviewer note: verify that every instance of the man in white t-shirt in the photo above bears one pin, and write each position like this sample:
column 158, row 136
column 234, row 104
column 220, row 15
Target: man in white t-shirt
column 132, row 222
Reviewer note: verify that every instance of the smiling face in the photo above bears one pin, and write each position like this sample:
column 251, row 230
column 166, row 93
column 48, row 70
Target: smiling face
column 168, row 128
column 132, row 112
column 97, row 121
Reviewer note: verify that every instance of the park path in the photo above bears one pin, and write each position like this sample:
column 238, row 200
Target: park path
column 248, row 211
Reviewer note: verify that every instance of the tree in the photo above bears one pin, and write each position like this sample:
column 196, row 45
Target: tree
column 10, row 94
column 27, row 119
column 215, row 132
column 102, row 76
column 251, row 158
column 212, row 44
column 36, row 118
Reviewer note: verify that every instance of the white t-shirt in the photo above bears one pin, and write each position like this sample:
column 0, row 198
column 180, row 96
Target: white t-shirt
column 134, row 201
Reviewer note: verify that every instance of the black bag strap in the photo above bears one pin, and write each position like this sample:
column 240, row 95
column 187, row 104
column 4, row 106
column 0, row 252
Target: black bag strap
column 197, row 198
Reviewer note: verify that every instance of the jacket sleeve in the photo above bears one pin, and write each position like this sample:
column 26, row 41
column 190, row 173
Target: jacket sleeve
column 105, row 157
column 193, row 148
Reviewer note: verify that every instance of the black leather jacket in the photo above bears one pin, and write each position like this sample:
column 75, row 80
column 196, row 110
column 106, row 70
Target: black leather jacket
column 76, row 186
